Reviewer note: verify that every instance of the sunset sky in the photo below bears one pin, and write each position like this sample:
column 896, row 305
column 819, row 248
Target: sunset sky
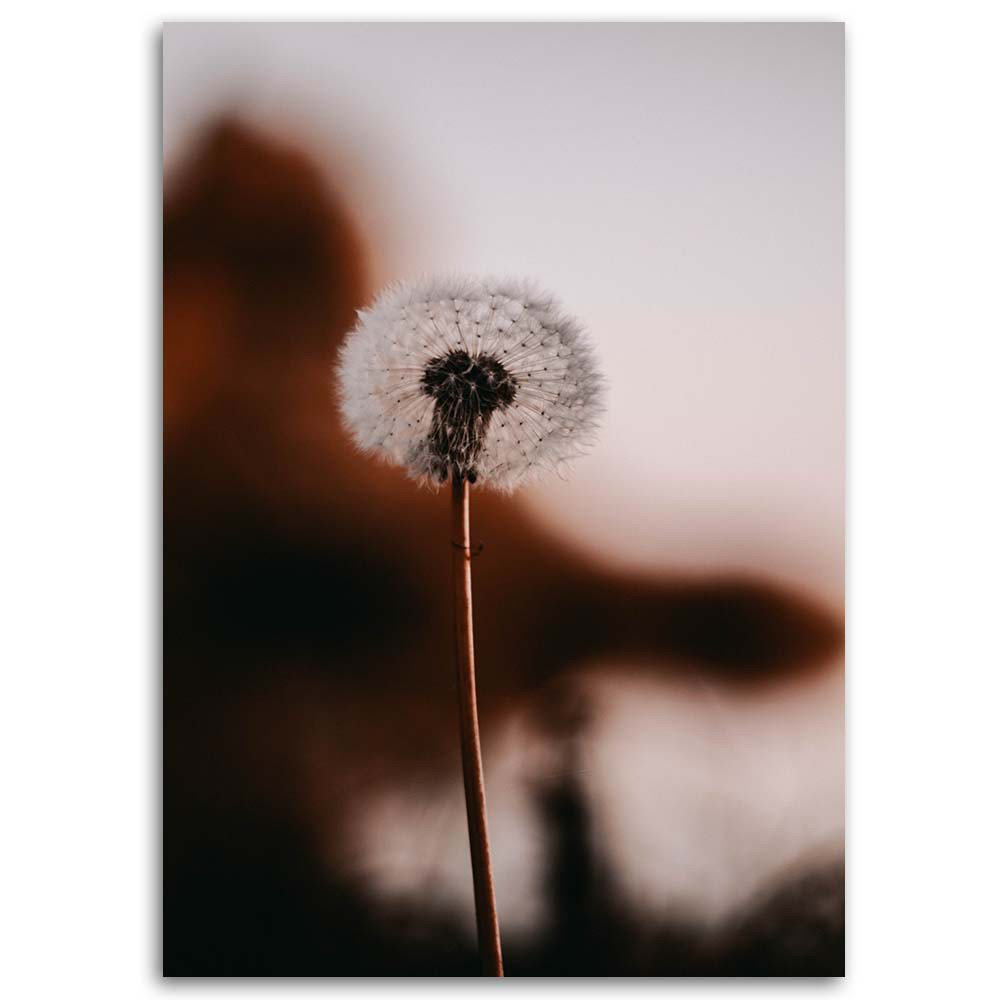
column 678, row 186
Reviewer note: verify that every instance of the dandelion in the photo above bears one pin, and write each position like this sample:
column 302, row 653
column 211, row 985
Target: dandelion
column 487, row 378
column 476, row 381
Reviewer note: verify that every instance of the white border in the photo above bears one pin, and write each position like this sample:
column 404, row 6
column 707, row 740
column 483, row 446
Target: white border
column 80, row 526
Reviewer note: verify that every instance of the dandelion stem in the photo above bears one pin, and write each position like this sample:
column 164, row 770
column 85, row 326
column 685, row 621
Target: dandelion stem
column 487, row 926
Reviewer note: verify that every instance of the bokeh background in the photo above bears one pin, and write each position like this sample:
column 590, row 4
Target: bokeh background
column 659, row 636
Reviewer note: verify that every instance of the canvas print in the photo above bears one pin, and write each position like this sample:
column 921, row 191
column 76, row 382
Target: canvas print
column 503, row 499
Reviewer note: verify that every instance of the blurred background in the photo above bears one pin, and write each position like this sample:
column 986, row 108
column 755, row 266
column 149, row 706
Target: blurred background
column 659, row 637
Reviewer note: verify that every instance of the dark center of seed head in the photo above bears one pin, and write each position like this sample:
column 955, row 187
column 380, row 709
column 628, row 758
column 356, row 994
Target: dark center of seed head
column 467, row 391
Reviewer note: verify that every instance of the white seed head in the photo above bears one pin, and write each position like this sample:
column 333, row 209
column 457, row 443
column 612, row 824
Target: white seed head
column 487, row 380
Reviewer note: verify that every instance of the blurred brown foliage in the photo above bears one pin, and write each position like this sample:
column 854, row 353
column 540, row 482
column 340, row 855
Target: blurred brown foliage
column 307, row 623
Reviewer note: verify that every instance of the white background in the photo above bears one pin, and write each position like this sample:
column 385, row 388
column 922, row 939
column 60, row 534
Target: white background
column 79, row 549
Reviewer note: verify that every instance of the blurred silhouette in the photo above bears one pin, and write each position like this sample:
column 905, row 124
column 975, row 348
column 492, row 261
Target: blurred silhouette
column 307, row 642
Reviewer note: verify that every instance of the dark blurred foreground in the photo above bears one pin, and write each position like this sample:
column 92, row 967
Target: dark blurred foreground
column 307, row 632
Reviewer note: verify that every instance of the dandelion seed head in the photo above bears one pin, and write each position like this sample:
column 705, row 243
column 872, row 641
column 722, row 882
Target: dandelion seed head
column 487, row 380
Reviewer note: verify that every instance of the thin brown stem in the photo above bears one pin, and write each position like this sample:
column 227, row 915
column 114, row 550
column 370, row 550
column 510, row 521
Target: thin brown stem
column 487, row 926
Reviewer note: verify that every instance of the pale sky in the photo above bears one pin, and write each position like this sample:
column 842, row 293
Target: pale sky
column 680, row 187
